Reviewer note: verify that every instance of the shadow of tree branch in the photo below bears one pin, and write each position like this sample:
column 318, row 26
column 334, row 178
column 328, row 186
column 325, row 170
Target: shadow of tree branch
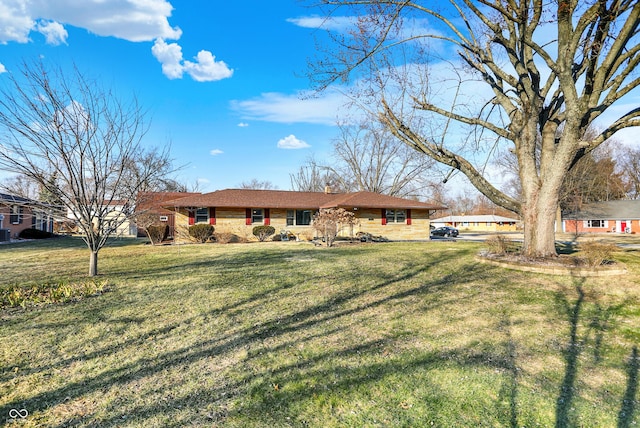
column 571, row 354
column 627, row 410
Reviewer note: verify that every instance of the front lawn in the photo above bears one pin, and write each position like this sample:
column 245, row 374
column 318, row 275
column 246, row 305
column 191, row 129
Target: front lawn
column 287, row 334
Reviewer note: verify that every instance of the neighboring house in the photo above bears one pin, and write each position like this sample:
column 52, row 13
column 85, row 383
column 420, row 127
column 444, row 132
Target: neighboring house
column 601, row 217
column 117, row 212
column 479, row 223
column 18, row 213
column 150, row 205
column 237, row 211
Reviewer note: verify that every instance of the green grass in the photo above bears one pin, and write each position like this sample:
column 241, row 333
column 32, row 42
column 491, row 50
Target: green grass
column 287, row 334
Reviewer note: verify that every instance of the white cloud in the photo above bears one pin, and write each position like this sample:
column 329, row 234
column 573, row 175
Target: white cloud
column 291, row 142
column 216, row 152
column 293, row 108
column 170, row 56
column 343, row 24
column 15, row 22
column 132, row 20
column 2, row 68
column 54, row 32
column 206, row 69
column 243, row 125
column 336, row 23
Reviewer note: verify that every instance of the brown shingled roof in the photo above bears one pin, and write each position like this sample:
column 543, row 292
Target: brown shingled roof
column 376, row 200
column 155, row 201
column 243, row 198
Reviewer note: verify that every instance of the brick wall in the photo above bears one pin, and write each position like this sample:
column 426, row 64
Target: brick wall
column 370, row 221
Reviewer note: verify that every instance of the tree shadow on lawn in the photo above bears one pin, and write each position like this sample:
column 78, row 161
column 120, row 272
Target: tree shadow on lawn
column 101, row 311
column 599, row 322
column 509, row 391
column 212, row 402
column 146, row 367
column 628, row 407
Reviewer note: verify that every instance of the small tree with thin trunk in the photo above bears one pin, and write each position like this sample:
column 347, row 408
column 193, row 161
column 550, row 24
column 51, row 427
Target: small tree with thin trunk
column 78, row 141
column 329, row 222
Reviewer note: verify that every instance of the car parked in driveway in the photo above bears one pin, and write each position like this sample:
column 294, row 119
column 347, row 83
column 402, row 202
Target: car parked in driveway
column 445, row 231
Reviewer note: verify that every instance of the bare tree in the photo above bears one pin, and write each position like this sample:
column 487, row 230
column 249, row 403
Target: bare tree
column 370, row 159
column 68, row 127
column 256, row 184
column 528, row 71
column 629, row 160
column 366, row 157
column 594, row 178
column 330, row 221
column 136, row 172
column 20, row 185
column 315, row 177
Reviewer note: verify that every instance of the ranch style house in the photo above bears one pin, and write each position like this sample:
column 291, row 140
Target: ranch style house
column 599, row 217
column 237, row 211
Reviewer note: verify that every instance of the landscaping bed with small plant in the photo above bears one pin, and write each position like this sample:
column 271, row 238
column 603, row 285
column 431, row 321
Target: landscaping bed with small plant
column 590, row 257
column 275, row 335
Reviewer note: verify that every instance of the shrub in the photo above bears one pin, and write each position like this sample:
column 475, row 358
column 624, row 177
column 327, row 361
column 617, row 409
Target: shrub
column 263, row 232
column 201, row 232
column 500, row 245
column 34, row 234
column 225, row 237
column 597, row 253
column 306, row 235
column 157, row 233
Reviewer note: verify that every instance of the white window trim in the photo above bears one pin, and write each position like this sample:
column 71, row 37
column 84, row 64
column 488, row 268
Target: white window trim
column 588, row 224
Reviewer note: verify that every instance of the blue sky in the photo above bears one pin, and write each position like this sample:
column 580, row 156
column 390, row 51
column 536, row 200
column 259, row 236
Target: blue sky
column 222, row 80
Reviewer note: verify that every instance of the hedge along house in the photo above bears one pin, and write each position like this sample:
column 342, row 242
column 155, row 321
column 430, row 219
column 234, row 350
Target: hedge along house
column 237, row 211
column 604, row 217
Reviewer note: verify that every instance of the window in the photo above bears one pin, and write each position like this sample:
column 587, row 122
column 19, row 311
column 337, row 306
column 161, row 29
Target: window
column 396, row 216
column 202, row 215
column 16, row 215
column 257, row 215
column 42, row 221
column 38, row 221
column 303, row 217
column 299, row 217
column 596, row 223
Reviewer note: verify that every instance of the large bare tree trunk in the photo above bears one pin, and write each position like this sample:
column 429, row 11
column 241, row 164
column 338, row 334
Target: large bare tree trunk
column 539, row 216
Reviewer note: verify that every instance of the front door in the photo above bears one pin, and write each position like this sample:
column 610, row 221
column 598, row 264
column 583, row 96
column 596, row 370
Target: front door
column 623, row 226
